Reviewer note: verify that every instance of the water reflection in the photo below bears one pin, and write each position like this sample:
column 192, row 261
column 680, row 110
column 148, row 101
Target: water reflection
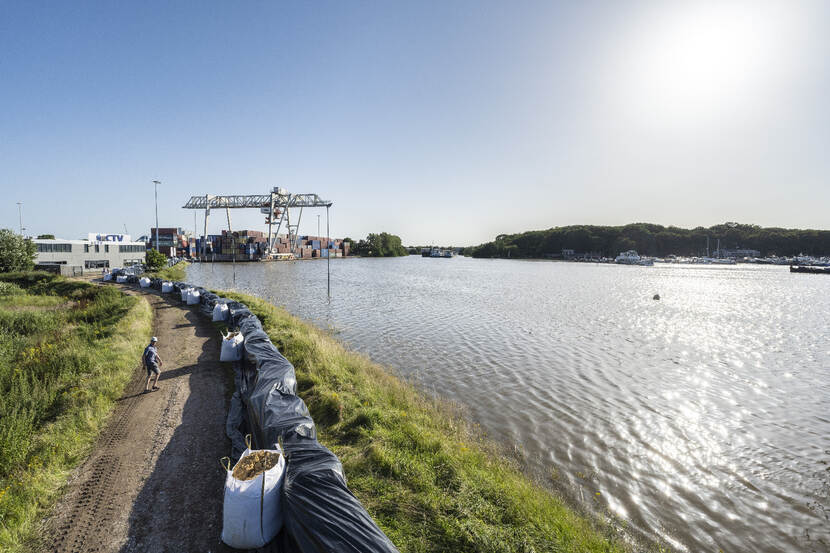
column 699, row 418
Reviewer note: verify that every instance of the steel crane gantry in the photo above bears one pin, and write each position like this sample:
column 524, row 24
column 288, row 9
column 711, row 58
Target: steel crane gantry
column 277, row 203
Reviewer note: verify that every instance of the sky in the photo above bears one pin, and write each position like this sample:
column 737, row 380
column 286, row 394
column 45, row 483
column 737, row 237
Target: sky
column 441, row 122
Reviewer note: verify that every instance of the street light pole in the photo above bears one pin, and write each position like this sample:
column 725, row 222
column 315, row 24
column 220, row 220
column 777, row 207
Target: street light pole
column 318, row 226
column 157, row 183
column 328, row 256
column 20, row 215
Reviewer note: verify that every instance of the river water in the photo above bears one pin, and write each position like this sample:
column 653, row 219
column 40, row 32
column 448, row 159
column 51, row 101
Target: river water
column 701, row 419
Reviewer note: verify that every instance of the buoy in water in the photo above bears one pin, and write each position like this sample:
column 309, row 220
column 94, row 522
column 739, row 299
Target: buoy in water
column 656, row 297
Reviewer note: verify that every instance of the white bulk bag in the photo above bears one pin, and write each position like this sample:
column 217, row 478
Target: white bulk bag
column 144, row 282
column 193, row 297
column 166, row 287
column 121, row 279
column 231, row 347
column 108, row 276
column 220, row 313
column 185, row 292
column 251, row 514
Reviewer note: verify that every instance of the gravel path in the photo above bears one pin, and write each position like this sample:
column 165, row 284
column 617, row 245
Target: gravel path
column 153, row 481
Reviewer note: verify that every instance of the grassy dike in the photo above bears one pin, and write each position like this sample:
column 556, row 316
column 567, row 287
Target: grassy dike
column 176, row 273
column 422, row 473
column 67, row 349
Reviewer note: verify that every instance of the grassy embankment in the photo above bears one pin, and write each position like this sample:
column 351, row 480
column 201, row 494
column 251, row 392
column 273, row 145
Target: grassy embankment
column 176, row 273
column 428, row 480
column 67, row 349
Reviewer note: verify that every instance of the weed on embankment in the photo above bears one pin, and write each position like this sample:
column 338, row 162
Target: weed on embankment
column 175, row 273
column 67, row 349
column 430, row 482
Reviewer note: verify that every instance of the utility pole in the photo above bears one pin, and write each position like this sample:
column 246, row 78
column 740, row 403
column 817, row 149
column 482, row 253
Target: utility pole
column 157, row 183
column 318, row 226
column 328, row 255
column 20, row 215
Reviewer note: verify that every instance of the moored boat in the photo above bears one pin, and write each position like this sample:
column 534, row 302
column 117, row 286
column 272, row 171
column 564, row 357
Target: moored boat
column 631, row 257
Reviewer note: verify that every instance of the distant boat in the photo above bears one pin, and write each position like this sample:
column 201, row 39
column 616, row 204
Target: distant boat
column 811, row 270
column 631, row 257
column 436, row 252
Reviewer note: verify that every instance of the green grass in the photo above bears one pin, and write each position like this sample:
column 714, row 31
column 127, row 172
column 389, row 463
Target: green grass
column 176, row 273
column 428, row 479
column 67, row 348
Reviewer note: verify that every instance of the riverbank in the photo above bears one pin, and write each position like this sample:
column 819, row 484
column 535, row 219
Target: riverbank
column 430, row 480
column 175, row 273
column 67, row 349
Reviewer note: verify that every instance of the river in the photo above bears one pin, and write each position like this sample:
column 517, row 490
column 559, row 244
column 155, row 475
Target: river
column 701, row 419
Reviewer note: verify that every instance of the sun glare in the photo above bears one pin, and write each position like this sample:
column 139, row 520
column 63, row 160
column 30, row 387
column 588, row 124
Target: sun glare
column 701, row 59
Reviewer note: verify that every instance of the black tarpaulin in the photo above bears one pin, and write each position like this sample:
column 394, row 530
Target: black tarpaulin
column 320, row 514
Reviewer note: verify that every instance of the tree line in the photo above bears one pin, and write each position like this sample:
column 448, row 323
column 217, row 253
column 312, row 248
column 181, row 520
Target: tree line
column 378, row 245
column 654, row 240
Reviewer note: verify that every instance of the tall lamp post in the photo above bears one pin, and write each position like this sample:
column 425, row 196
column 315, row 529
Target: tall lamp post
column 157, row 183
column 20, row 215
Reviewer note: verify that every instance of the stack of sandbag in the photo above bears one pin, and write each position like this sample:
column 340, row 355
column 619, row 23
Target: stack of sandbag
column 144, row 282
column 209, row 300
column 252, row 514
column 184, row 291
column 121, row 279
column 231, row 347
column 321, row 515
column 108, row 276
column 166, row 287
column 192, row 297
column 220, row 313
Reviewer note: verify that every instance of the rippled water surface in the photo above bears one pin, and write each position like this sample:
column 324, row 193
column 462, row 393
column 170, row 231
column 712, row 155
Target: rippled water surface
column 702, row 418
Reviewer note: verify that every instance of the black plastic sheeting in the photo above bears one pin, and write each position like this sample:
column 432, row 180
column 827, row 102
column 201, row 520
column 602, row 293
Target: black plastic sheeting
column 320, row 514
column 319, row 511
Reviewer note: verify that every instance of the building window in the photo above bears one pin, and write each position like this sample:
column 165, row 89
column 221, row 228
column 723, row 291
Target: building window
column 106, row 248
column 50, row 247
column 86, row 248
column 96, row 263
column 97, row 248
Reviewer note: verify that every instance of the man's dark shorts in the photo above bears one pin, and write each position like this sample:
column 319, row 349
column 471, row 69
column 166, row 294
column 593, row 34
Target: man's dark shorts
column 153, row 369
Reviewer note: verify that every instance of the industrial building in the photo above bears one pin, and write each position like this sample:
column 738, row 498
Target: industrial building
column 93, row 254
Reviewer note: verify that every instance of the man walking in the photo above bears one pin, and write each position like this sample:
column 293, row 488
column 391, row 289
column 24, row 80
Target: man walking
column 153, row 363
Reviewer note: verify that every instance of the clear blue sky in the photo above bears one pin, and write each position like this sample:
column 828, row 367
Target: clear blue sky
column 445, row 122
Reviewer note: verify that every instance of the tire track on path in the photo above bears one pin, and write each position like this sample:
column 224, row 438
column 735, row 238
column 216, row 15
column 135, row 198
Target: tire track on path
column 152, row 481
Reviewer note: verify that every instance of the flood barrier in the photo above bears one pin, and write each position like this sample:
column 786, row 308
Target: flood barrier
column 320, row 513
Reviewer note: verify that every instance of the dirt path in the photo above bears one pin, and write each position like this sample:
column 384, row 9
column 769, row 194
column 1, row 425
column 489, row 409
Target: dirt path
column 153, row 482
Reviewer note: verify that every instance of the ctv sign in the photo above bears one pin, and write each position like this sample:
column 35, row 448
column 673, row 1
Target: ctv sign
column 108, row 237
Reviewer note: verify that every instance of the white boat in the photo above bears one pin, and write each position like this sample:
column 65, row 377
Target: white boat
column 631, row 257
column 436, row 252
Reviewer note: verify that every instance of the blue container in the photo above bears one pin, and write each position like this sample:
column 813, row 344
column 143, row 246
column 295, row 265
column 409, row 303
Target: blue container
column 315, row 244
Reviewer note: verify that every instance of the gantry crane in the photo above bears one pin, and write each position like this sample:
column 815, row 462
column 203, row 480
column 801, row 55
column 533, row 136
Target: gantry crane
column 276, row 206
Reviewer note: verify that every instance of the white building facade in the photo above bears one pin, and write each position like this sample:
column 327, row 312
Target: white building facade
column 97, row 252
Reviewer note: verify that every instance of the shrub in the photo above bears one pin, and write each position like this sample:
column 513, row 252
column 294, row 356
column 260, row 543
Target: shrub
column 16, row 253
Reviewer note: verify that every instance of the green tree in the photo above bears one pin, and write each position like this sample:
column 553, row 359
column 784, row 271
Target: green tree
column 16, row 253
column 651, row 239
column 381, row 245
column 45, row 236
column 155, row 260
